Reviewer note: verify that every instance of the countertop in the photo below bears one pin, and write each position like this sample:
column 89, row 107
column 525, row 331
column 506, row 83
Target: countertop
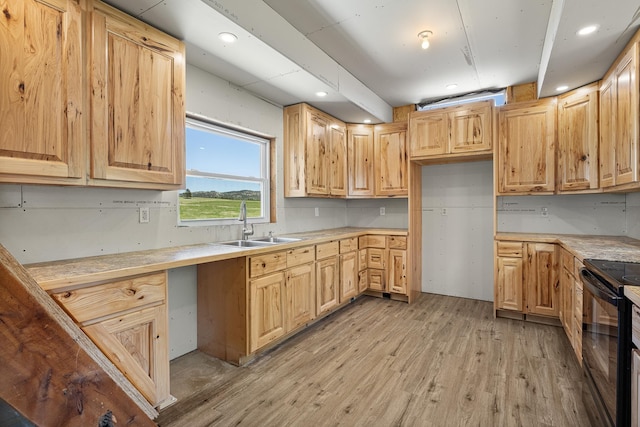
column 66, row 274
column 633, row 294
column 613, row 248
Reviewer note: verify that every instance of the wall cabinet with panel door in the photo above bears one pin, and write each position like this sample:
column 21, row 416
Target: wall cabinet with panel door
column 527, row 148
column 128, row 321
column 463, row 131
column 315, row 147
column 619, row 94
column 578, row 140
column 360, row 160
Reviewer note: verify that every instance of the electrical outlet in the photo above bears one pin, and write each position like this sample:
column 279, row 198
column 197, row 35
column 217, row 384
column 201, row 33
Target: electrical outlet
column 443, row 212
column 544, row 211
column 382, row 211
column 317, row 212
column 144, row 215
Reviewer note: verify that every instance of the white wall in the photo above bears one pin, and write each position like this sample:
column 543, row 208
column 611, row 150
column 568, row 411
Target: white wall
column 457, row 229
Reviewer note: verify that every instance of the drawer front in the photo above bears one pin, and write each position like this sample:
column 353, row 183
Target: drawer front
column 348, row 245
column 397, row 242
column 362, row 259
column 567, row 260
column 373, row 241
column 325, row 250
column 635, row 325
column 267, row 263
column 299, row 256
column 510, row 249
column 375, row 280
column 94, row 302
column 375, row 258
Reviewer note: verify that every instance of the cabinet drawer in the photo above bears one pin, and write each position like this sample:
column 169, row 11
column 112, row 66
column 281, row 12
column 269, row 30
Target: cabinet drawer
column 371, row 241
column 98, row 301
column 267, row 263
column 299, row 256
column 397, row 242
column 325, row 250
column 375, row 279
column 375, row 258
column 348, row 245
column 510, row 249
column 635, row 325
column 567, row 260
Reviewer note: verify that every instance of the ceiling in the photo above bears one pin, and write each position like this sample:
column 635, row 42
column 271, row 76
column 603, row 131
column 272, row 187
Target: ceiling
column 366, row 54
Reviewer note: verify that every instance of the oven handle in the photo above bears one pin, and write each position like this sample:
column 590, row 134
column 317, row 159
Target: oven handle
column 597, row 288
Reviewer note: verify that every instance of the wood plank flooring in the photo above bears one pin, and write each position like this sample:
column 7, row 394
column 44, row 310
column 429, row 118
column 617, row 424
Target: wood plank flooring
column 441, row 361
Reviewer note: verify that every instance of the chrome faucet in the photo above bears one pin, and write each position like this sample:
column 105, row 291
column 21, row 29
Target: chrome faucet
column 243, row 217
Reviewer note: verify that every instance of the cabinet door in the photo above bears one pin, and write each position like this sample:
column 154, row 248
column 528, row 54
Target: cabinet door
column 527, row 144
column 41, row 92
column 294, row 149
column 391, row 159
column 360, row 142
column 397, row 271
column 317, row 149
column 626, row 119
column 300, row 296
column 266, row 309
column 607, row 132
column 327, row 284
column 376, row 280
column 541, row 279
column 137, row 102
column 635, row 387
column 338, row 153
column 428, row 133
column 348, row 276
column 509, row 283
column 578, row 139
column 137, row 343
column 471, row 128
column 567, row 304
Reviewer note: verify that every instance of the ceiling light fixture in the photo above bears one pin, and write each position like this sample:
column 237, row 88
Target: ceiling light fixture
column 321, row 94
column 562, row 88
column 227, row 37
column 424, row 37
column 589, row 29
column 452, row 86
column 367, row 121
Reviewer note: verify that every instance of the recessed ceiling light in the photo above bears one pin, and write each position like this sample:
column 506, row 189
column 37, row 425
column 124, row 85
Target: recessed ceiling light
column 227, row 37
column 561, row 88
column 367, row 120
column 452, row 86
column 589, row 29
column 321, row 94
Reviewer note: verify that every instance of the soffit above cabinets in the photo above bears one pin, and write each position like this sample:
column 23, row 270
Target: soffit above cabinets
column 366, row 53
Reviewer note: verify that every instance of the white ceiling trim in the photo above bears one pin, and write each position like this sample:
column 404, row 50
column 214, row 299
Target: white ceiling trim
column 552, row 30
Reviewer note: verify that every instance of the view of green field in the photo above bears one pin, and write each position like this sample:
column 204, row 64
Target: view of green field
column 206, row 208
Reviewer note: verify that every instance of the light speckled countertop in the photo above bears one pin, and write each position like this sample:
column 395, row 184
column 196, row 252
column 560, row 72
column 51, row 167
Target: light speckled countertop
column 633, row 294
column 63, row 274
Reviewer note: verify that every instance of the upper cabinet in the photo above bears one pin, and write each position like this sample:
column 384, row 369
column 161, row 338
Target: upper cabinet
column 619, row 121
column 41, row 138
column 452, row 132
column 578, row 139
column 391, row 160
column 135, row 83
column 526, row 147
column 315, row 148
column 137, row 102
column 360, row 157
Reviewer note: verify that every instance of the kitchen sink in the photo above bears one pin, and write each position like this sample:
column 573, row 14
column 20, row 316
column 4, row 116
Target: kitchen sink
column 273, row 239
column 247, row 243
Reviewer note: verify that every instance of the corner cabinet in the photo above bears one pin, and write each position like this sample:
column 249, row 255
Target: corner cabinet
column 526, row 148
column 137, row 102
column 41, row 96
column 315, row 147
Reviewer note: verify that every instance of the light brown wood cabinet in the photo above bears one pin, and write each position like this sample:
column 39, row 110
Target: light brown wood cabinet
column 541, row 279
column 386, row 265
column 266, row 308
column 619, row 94
column 378, row 160
column 527, row 147
column 41, row 99
column 578, row 140
column 327, row 276
column 397, row 271
column 567, row 303
column 137, row 106
column 635, row 387
column 128, row 321
column 300, row 296
column 509, row 276
column 450, row 132
column 315, row 147
column 348, row 269
column 134, row 120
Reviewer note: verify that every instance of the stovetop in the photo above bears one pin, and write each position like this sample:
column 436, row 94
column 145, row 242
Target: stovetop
column 616, row 273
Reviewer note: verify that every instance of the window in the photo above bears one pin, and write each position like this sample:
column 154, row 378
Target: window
column 224, row 167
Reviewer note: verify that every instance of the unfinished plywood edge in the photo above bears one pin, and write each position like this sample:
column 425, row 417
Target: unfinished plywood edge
column 401, row 114
column 522, row 92
column 88, row 381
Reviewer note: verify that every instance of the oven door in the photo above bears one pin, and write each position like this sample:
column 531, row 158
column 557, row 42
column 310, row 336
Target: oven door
column 600, row 343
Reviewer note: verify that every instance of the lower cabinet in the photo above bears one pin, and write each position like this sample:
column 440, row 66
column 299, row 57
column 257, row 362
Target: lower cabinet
column 635, row 387
column 266, row 308
column 348, row 276
column 397, row 271
column 386, row 264
column 328, row 284
column 128, row 321
column 509, row 276
column 300, row 296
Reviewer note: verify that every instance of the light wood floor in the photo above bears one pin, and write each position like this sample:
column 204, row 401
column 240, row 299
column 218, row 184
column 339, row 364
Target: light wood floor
column 441, row 361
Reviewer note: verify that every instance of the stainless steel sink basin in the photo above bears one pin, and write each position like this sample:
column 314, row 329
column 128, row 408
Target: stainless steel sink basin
column 268, row 239
column 247, row 243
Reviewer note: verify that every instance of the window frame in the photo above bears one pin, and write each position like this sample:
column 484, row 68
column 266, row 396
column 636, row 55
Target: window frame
column 265, row 180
